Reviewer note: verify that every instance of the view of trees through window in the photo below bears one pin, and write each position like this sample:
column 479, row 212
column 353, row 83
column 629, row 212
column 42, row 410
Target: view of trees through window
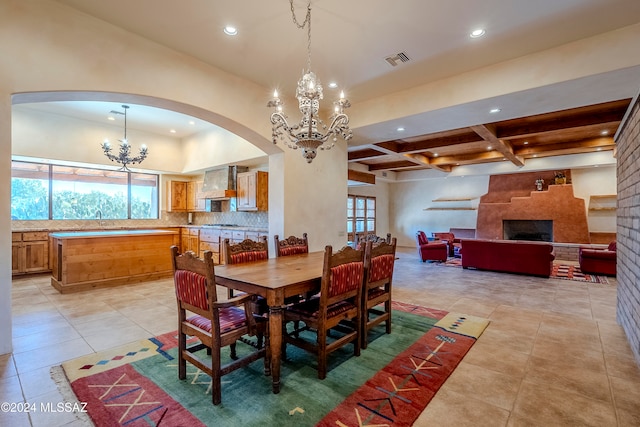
column 41, row 191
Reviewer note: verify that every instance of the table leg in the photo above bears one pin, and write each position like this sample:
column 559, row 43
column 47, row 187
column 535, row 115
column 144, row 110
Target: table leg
column 275, row 331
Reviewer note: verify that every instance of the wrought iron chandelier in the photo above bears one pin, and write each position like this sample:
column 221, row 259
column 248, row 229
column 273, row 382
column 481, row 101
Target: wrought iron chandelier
column 311, row 133
column 123, row 156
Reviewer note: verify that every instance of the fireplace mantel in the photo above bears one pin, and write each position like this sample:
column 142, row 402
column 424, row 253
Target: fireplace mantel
column 557, row 203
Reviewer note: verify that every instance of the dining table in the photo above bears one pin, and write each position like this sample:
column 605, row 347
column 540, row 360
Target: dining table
column 274, row 279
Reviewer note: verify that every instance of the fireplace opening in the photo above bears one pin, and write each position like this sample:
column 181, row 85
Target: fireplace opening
column 524, row 229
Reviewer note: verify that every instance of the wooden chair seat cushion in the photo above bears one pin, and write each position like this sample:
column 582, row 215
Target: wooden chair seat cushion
column 248, row 256
column 292, row 250
column 381, row 267
column 230, row 318
column 310, row 308
column 346, row 277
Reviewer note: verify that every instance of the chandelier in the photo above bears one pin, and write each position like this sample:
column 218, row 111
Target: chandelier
column 311, row 133
column 123, row 156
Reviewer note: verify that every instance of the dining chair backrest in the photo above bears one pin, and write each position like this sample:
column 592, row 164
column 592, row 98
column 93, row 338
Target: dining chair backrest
column 292, row 245
column 246, row 251
column 194, row 281
column 379, row 262
column 342, row 275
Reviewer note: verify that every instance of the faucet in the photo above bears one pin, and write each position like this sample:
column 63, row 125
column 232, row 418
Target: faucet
column 99, row 217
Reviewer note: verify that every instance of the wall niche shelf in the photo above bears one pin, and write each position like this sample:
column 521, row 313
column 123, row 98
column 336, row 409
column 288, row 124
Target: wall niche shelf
column 605, row 202
column 453, row 206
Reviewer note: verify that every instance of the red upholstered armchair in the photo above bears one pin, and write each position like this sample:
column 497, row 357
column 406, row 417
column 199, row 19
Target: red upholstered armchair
column 449, row 238
column 598, row 261
column 434, row 251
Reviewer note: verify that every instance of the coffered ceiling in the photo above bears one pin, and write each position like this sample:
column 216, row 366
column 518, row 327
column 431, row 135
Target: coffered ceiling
column 573, row 131
column 352, row 41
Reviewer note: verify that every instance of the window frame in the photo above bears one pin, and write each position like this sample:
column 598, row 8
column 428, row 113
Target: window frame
column 353, row 219
column 48, row 169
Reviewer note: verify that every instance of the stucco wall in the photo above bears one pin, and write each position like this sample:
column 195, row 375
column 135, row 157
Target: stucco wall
column 628, row 313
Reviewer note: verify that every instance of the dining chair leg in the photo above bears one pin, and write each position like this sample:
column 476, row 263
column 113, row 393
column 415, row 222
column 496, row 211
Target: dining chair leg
column 182, row 364
column 322, row 356
column 216, row 383
column 233, row 355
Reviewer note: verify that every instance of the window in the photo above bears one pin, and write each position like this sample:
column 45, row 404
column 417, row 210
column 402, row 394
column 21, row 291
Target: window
column 361, row 216
column 41, row 191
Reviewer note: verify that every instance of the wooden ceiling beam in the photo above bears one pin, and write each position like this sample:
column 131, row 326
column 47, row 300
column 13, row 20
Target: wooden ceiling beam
column 426, row 161
column 588, row 145
column 367, row 153
column 392, row 165
column 488, row 133
column 367, row 178
column 435, row 143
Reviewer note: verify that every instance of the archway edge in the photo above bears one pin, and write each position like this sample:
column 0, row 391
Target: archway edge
column 214, row 118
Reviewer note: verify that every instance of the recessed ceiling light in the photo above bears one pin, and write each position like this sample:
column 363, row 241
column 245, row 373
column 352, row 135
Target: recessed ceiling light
column 604, row 132
column 191, row 122
column 495, row 110
column 111, row 118
column 535, row 155
column 489, row 147
column 435, row 154
column 333, row 85
column 477, row 33
column 230, row 30
column 599, row 149
column 400, row 129
column 172, row 131
column 526, row 143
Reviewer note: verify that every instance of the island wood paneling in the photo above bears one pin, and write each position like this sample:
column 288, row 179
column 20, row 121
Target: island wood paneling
column 83, row 261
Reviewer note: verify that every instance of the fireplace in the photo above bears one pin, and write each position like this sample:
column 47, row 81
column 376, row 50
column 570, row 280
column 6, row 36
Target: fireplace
column 520, row 229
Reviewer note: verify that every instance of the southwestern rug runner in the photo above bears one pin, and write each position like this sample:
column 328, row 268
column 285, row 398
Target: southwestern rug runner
column 559, row 271
column 389, row 384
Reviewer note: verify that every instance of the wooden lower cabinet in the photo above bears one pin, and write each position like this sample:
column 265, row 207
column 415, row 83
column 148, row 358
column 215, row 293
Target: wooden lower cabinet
column 30, row 252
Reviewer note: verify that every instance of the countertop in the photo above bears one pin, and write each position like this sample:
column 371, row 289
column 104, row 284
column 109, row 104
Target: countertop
column 109, row 233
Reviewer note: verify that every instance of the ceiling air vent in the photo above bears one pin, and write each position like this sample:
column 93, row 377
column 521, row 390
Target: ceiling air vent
column 398, row 57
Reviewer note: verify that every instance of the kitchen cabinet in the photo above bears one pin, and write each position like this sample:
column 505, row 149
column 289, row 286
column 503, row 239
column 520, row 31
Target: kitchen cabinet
column 177, row 196
column 253, row 191
column 210, row 241
column 190, row 240
column 195, row 204
column 29, row 252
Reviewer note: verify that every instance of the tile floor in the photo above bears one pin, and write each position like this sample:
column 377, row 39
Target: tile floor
column 553, row 354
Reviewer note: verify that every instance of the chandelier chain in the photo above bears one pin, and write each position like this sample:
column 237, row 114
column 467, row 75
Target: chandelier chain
column 307, row 22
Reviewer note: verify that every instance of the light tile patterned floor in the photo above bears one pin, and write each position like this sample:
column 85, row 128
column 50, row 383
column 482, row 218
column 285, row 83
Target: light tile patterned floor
column 552, row 355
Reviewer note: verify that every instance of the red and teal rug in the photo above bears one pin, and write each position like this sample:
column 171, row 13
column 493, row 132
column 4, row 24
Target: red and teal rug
column 389, row 384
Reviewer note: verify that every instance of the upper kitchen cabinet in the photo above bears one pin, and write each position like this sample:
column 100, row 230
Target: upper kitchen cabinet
column 182, row 196
column 195, row 204
column 253, row 191
column 176, row 196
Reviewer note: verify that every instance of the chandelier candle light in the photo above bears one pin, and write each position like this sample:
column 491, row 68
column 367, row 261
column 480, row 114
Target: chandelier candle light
column 125, row 149
column 311, row 133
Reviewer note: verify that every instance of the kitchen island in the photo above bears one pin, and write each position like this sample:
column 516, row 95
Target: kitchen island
column 83, row 260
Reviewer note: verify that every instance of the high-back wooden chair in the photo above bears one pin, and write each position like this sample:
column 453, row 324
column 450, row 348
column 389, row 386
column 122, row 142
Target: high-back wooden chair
column 339, row 303
column 216, row 324
column 378, row 264
column 246, row 251
column 292, row 245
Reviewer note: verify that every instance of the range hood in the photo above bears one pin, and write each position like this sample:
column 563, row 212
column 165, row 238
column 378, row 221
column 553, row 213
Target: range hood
column 220, row 184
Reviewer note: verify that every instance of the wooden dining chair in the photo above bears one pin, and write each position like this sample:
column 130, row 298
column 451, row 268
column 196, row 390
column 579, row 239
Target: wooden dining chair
column 337, row 308
column 246, row 251
column 376, row 297
column 216, row 324
column 292, row 245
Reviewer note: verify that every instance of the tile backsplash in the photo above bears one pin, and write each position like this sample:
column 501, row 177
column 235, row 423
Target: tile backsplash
column 167, row 219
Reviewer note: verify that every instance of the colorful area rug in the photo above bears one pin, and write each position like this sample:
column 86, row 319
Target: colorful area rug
column 389, row 384
column 559, row 271
column 572, row 272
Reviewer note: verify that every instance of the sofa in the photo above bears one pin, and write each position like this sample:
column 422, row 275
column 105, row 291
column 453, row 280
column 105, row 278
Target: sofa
column 432, row 251
column 510, row 256
column 598, row 261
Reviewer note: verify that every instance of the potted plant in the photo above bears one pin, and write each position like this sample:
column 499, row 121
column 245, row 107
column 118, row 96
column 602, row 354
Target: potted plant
column 560, row 178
